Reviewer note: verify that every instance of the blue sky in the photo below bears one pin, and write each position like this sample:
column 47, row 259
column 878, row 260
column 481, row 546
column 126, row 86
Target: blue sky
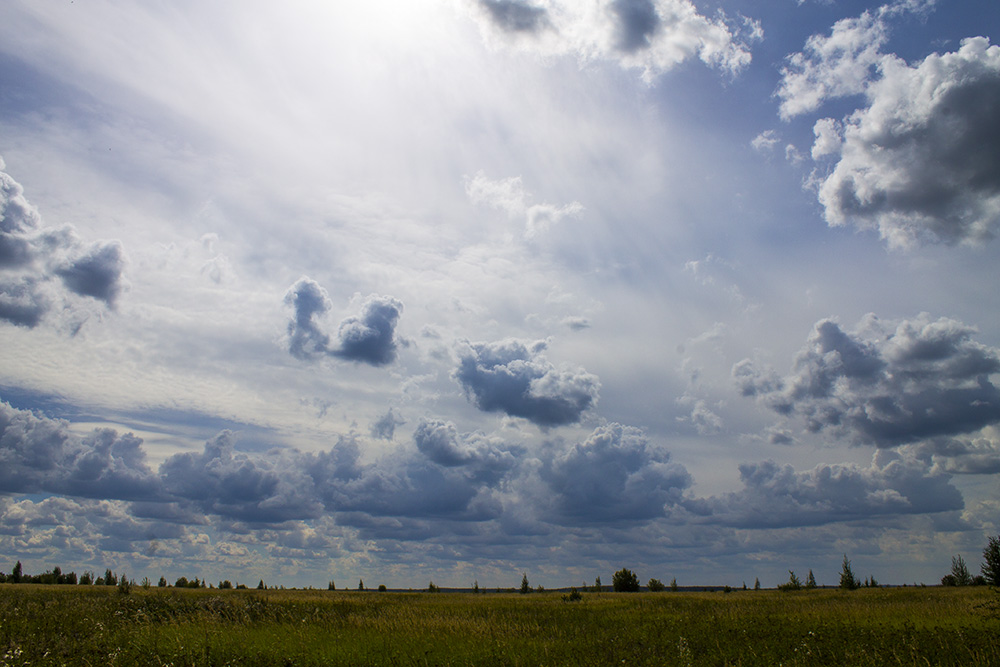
column 460, row 289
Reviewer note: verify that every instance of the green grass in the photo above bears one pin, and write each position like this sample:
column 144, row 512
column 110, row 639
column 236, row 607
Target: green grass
column 84, row 625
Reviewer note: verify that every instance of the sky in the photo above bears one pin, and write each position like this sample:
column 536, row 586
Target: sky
column 456, row 290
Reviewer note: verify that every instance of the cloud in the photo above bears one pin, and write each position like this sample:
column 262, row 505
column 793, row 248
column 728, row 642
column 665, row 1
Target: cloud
column 978, row 455
column 384, row 428
column 41, row 455
column 368, row 339
column 32, row 256
column 837, row 65
column 614, row 475
column 920, row 163
column 885, row 385
column 651, row 35
column 509, row 195
column 309, row 301
column 842, row 63
column 776, row 495
column 231, row 484
column 487, row 458
column 514, row 16
column 97, row 272
column 513, row 377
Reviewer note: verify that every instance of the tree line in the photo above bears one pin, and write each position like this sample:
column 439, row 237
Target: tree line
column 624, row 580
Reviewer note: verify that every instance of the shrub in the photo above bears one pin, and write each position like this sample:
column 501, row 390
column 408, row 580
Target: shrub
column 574, row 596
column 382, row 588
column 655, row 585
column 625, row 581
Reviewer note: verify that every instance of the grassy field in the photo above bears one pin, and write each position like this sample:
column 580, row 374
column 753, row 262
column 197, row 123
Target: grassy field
column 88, row 625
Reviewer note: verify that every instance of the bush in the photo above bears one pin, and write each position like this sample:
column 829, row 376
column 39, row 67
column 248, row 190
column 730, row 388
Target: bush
column 625, row 581
column 655, row 585
column 574, row 596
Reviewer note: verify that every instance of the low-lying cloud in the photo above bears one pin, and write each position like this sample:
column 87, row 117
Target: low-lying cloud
column 777, row 496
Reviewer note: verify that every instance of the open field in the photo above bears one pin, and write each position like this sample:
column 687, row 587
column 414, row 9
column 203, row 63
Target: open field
column 86, row 625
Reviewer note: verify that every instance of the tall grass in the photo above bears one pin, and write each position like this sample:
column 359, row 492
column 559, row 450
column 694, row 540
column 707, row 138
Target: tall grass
column 42, row 625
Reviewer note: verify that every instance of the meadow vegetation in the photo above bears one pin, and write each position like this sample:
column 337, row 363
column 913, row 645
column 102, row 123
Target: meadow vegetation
column 89, row 625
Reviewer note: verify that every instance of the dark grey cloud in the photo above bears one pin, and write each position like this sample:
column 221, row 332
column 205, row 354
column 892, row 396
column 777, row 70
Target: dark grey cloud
column 38, row 454
column 22, row 301
column 921, row 163
column 885, row 385
column 515, row 16
column 614, row 475
column 369, row 338
column 971, row 456
column 484, row 458
column 513, row 377
column 384, row 428
column 309, row 300
column 228, row 483
column 96, row 273
column 776, row 496
column 637, row 22
column 32, row 256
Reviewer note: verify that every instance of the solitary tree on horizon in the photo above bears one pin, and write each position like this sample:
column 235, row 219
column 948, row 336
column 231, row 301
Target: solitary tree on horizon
column 847, row 579
column 991, row 561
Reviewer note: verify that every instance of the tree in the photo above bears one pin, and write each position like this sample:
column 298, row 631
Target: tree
column 261, row 586
column 655, row 585
column 17, row 573
column 331, row 586
column 525, row 586
column 475, row 587
column 991, row 561
column 960, row 575
column 109, row 578
column 847, row 579
column 182, row 582
column 673, row 585
column 793, row 583
column 87, row 579
column 625, row 581
column 811, row 580
column 756, row 583
column 162, row 583
column 597, row 585
column 361, row 584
